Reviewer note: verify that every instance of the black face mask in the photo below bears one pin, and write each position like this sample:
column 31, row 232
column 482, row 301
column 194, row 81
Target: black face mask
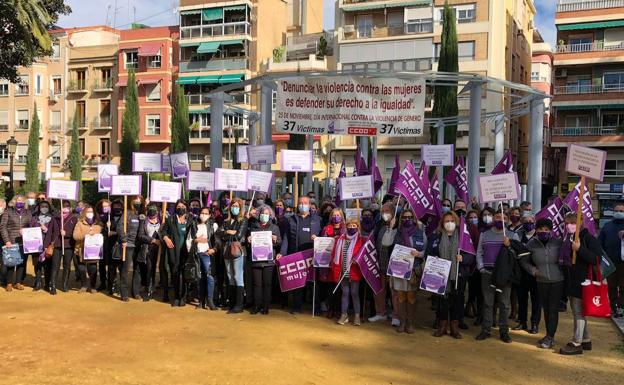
column 152, row 213
column 180, row 211
column 460, row 212
column 137, row 207
column 117, row 212
column 195, row 210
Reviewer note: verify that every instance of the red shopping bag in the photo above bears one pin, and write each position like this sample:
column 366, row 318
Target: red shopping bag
column 595, row 295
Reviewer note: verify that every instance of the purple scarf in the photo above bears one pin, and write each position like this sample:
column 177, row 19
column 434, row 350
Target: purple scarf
column 565, row 255
column 407, row 233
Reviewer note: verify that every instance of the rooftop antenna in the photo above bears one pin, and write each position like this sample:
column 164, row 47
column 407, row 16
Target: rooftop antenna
column 108, row 9
column 115, row 14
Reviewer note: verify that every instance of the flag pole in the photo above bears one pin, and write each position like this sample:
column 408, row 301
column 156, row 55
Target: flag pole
column 125, row 226
column 579, row 216
column 63, row 229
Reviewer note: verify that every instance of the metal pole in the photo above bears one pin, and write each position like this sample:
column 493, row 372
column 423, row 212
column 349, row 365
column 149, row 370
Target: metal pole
column 499, row 135
column 474, row 138
column 440, row 126
column 536, row 149
column 253, row 134
column 216, row 131
column 266, row 117
column 307, row 180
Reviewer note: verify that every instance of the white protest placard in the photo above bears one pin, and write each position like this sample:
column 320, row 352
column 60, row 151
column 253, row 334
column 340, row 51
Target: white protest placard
column 146, row 162
column 297, row 160
column 259, row 181
column 33, row 240
column 353, row 214
column 241, row 153
column 356, row 187
column 230, row 180
column 435, row 275
column 261, row 246
column 93, row 247
column 499, row 187
column 350, row 105
column 126, row 185
column 168, row 192
column 166, row 164
column 401, row 262
column 586, row 161
column 200, row 181
column 262, row 154
column 179, row 165
column 438, row 155
column 63, row 189
column 323, row 247
column 105, row 173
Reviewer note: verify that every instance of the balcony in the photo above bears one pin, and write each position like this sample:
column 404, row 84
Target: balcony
column 589, row 89
column 216, row 30
column 214, row 65
column 82, row 125
column 4, row 127
column 77, row 87
column 585, row 131
column 597, row 46
column 92, row 161
column 104, row 85
column 350, row 32
column 309, row 64
column 101, row 123
column 199, row 135
column 587, row 5
column 197, row 99
column 54, row 128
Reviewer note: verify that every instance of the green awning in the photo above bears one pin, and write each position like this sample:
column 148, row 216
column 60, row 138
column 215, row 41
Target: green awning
column 599, row 24
column 212, row 79
column 391, row 5
column 211, row 14
column 235, row 8
column 231, row 42
column 232, row 78
column 202, row 111
column 209, row 47
column 189, row 80
column 186, row 45
column 191, row 12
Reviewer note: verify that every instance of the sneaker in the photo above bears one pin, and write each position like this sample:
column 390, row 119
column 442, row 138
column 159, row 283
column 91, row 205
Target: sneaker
column 356, row 320
column 377, row 318
column 396, row 322
column 571, row 349
column 482, row 336
column 547, row 343
column 505, row 338
column 539, row 342
column 9, row 287
column 19, row 286
column 343, row 319
column 520, row 326
column 586, row 345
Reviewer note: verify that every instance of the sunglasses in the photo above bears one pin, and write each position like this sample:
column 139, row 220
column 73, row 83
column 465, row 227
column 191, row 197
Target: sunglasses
column 408, row 217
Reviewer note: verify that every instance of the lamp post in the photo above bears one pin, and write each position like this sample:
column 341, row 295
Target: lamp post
column 12, row 148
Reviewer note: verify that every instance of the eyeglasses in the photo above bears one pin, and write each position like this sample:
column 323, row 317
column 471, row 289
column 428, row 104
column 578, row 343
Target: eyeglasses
column 407, row 217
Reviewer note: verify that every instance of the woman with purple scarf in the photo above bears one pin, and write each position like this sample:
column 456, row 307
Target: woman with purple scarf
column 11, row 224
column 42, row 217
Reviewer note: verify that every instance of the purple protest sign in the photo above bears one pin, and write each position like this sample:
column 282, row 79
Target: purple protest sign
column 556, row 213
column 342, row 174
column 505, row 166
column 465, row 242
column 417, row 195
column 105, row 173
column 295, row 270
column 369, row 265
column 458, row 179
column 572, row 201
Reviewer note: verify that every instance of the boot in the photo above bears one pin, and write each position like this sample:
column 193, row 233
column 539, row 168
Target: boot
column 356, row 320
column 53, row 289
column 344, row 318
column 455, row 330
column 149, row 294
column 211, row 304
column 442, row 324
column 411, row 318
column 238, row 306
column 65, row 287
column 402, row 314
column 534, row 329
column 9, row 287
column 37, row 285
column 470, row 310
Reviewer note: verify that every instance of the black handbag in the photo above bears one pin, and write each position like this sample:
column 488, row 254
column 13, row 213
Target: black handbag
column 144, row 252
column 117, row 253
column 192, row 272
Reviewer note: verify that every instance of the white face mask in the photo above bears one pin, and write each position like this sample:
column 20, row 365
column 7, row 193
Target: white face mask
column 1, row 210
column 204, row 218
column 449, row 226
column 487, row 219
column 89, row 215
column 386, row 217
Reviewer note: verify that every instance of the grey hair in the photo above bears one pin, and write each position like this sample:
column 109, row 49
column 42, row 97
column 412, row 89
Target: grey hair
column 260, row 209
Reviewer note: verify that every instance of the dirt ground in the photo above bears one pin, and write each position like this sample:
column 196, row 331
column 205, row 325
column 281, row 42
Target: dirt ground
column 95, row 339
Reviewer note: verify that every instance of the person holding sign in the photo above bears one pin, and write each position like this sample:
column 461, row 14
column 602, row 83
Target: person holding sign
column 87, row 224
column 148, row 241
column 60, row 233
column 174, row 234
column 201, row 245
column 383, row 257
column 444, row 244
column 335, row 228
column 128, row 240
column 42, row 216
column 262, row 260
column 409, row 233
column 345, row 272
column 12, row 222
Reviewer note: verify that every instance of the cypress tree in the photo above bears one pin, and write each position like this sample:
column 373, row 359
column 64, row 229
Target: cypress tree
column 129, row 126
column 32, row 155
column 445, row 97
column 180, row 124
column 75, row 157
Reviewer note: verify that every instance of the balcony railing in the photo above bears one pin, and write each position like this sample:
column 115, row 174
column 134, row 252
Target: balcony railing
column 586, row 5
column 225, row 29
column 539, row 79
column 596, row 46
column 54, row 127
column 584, row 131
column 380, row 30
column 77, row 86
column 103, row 85
column 101, row 122
column 203, row 133
column 214, row 65
column 195, row 99
column 589, row 89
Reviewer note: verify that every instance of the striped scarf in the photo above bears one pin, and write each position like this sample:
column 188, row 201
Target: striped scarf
column 347, row 246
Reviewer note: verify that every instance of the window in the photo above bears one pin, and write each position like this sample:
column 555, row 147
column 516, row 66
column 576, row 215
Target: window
column 83, row 147
column 614, row 168
column 4, row 88
column 196, row 157
column 22, row 88
column 106, row 78
column 20, row 153
column 132, row 60
column 105, row 112
column 316, row 148
column 613, row 81
column 55, row 154
column 153, row 92
column 153, row 125
column 56, row 85
column 55, row 121
column 466, row 13
column 580, row 44
column 577, row 121
column 364, row 26
column 576, row 86
column 22, row 120
column 153, row 61
column 4, row 154
column 466, row 51
column 419, row 26
column 273, row 100
column 37, row 84
column 105, row 147
column 4, row 120
column 482, row 163
column 613, row 119
column 395, row 20
column 81, row 111
column 56, row 51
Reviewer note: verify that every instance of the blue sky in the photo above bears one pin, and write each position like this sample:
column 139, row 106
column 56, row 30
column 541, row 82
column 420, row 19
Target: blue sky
column 161, row 12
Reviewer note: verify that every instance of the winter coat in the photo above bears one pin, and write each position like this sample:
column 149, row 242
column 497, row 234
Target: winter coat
column 507, row 269
column 226, row 239
column 468, row 260
column 129, row 236
column 274, row 229
column 336, row 263
column 176, row 255
column 543, row 262
column 81, row 231
column 588, row 255
column 54, row 232
column 611, row 242
column 290, row 240
column 12, row 222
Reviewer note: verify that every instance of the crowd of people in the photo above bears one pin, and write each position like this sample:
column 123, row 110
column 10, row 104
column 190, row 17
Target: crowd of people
column 202, row 255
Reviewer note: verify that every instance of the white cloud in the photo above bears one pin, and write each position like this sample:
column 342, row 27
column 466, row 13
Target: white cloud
column 545, row 19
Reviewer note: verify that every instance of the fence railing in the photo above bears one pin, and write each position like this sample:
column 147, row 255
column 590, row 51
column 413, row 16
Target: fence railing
column 381, row 30
column 589, row 89
column 214, row 65
column 571, row 6
column 225, row 29
column 585, row 131
column 596, row 46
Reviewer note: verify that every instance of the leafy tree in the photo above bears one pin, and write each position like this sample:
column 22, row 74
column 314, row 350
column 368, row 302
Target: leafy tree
column 24, row 34
column 180, row 124
column 129, row 126
column 32, row 155
column 445, row 97
column 75, row 155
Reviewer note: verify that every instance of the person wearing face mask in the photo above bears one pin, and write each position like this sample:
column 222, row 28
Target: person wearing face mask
column 232, row 235
column 528, row 285
column 588, row 252
column 288, row 200
column 487, row 219
column 527, row 208
column 103, row 210
column 409, row 234
column 3, row 206
column 543, row 265
column 299, row 236
column 31, row 201
column 515, row 219
column 147, row 243
column 446, row 206
column 325, row 211
column 201, row 244
column 383, row 257
column 128, row 239
column 174, row 233
column 444, row 244
column 474, row 304
column 610, row 239
column 11, row 225
column 59, row 235
column 260, row 200
column 41, row 218
column 112, row 247
column 460, row 208
column 195, row 206
column 328, row 302
column 490, row 245
column 89, row 224
column 313, row 209
column 263, row 270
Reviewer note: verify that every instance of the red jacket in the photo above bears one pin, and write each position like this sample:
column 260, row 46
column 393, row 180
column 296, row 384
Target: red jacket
column 329, row 231
column 336, row 263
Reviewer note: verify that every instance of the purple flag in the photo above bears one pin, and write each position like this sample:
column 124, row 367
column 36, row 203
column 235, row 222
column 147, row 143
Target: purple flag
column 396, row 173
column 342, row 174
column 360, row 164
column 377, row 179
column 556, row 213
column 505, row 166
column 208, row 199
column 435, row 193
column 369, row 265
column 411, row 187
column 458, row 179
column 295, row 270
column 572, row 201
column 423, row 174
column 465, row 242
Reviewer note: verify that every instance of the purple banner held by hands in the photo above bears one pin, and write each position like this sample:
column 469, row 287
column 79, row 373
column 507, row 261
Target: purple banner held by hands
column 295, row 270
column 555, row 212
column 411, row 187
column 459, row 180
column 505, row 166
column 369, row 265
column 572, row 201
column 465, row 242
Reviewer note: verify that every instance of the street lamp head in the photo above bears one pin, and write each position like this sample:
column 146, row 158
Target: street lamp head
column 12, row 145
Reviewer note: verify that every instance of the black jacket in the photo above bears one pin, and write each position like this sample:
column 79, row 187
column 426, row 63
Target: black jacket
column 274, row 229
column 130, row 235
column 177, row 255
column 587, row 255
column 290, row 239
column 225, row 239
column 507, row 268
column 467, row 264
column 193, row 234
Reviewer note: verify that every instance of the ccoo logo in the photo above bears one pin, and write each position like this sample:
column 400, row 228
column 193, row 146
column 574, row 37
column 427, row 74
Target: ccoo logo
column 596, row 301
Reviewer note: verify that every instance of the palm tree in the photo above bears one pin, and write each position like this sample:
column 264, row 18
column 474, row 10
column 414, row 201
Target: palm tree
column 33, row 18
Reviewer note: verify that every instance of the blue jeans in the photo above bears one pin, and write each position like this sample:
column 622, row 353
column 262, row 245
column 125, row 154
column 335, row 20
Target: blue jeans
column 207, row 282
column 234, row 268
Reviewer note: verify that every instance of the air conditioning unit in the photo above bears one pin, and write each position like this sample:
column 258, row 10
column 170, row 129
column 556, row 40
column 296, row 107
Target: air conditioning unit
column 349, row 28
column 531, row 25
column 561, row 73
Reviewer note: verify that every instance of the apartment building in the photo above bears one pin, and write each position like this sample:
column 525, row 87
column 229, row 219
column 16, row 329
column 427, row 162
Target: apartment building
column 494, row 37
column 152, row 54
column 589, row 90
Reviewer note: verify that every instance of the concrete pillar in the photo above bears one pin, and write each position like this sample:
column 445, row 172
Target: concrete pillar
column 253, row 131
column 474, row 139
column 216, row 131
column 499, row 135
column 536, row 149
column 266, row 117
column 307, row 180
